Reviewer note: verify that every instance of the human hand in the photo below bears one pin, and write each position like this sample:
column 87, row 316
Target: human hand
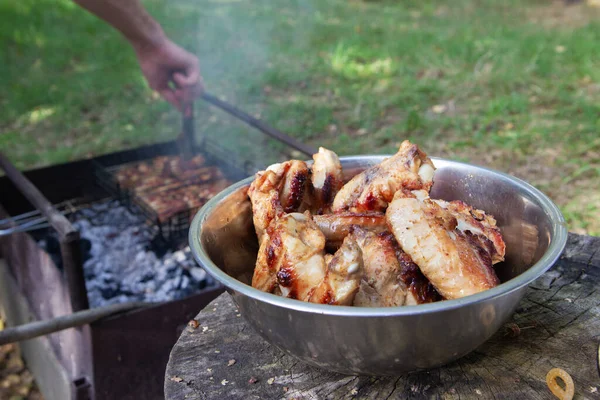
column 173, row 72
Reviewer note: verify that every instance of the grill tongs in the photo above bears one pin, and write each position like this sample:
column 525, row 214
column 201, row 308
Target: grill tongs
column 49, row 215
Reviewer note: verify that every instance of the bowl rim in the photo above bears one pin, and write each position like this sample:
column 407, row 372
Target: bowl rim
column 557, row 245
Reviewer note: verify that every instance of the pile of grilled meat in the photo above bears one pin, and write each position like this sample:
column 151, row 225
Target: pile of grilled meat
column 169, row 184
column 378, row 240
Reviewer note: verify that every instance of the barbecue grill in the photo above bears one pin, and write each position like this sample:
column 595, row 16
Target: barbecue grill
column 117, row 351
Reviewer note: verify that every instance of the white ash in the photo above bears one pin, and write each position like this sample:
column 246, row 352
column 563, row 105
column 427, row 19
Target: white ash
column 123, row 268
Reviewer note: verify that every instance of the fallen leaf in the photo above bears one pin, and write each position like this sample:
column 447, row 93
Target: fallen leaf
column 176, row 379
column 224, row 382
column 439, row 108
column 286, row 389
column 230, row 362
column 354, row 392
column 252, row 380
column 194, row 324
column 270, row 381
column 204, row 329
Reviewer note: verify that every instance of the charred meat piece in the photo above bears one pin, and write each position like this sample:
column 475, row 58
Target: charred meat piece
column 278, row 190
column 294, row 188
column 374, row 188
column 185, row 169
column 455, row 261
column 167, row 201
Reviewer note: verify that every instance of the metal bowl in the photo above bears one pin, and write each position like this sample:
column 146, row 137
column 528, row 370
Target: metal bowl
column 392, row 340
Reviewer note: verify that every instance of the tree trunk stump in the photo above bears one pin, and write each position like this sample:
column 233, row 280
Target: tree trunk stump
column 556, row 325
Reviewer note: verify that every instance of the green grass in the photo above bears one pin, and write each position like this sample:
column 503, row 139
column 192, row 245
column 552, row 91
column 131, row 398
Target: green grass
column 514, row 85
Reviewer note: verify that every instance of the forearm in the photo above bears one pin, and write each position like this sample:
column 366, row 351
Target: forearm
column 130, row 18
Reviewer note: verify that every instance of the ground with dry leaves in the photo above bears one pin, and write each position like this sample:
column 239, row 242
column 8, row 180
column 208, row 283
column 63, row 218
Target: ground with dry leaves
column 16, row 382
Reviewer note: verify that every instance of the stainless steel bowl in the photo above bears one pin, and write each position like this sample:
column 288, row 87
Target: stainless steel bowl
column 387, row 341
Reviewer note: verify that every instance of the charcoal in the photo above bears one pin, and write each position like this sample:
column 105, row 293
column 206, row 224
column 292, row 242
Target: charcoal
column 125, row 260
column 198, row 274
column 108, row 292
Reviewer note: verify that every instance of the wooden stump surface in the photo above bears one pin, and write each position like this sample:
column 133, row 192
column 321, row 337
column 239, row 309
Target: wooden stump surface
column 556, row 325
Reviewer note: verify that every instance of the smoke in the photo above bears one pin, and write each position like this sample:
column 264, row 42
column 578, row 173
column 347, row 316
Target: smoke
column 239, row 46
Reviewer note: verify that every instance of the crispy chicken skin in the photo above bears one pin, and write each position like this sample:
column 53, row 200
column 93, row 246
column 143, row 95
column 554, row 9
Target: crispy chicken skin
column 292, row 187
column 455, row 261
column 264, row 196
column 381, row 286
column 291, row 262
column 374, row 188
column 336, row 227
column 390, row 244
column 278, row 190
column 478, row 223
column 390, row 277
column 327, row 179
column 291, row 257
column 343, row 276
column 295, row 184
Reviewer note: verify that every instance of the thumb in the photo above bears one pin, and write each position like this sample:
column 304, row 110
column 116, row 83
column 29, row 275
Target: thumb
column 191, row 78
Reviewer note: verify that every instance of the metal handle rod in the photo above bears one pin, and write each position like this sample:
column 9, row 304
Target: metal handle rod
column 12, row 220
column 32, row 225
column 261, row 126
column 186, row 140
column 35, row 197
column 68, row 235
column 41, row 328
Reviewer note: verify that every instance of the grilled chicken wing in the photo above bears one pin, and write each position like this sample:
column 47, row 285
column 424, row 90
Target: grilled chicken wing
column 295, row 180
column 453, row 260
column 327, row 179
column 381, row 285
column 390, row 278
column 336, row 227
column 278, row 190
column 291, row 261
column 374, row 188
column 291, row 257
column 478, row 223
column 343, row 276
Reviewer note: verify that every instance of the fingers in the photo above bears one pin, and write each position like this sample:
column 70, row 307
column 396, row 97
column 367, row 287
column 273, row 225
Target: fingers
column 170, row 96
column 189, row 84
column 191, row 77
